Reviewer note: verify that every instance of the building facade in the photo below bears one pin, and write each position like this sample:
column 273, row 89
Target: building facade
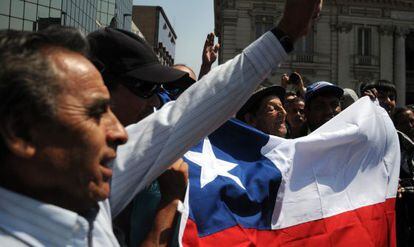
column 157, row 30
column 87, row 15
column 354, row 40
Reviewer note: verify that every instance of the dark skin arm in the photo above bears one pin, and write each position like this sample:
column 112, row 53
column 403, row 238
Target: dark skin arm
column 173, row 184
column 300, row 87
column 210, row 54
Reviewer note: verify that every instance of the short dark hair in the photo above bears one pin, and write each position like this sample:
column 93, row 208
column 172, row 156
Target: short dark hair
column 379, row 85
column 29, row 84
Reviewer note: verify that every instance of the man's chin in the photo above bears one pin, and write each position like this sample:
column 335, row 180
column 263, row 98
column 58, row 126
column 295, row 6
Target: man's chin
column 281, row 131
column 99, row 192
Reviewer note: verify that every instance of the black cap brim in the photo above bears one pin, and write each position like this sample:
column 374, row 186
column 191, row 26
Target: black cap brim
column 259, row 95
column 182, row 83
column 156, row 73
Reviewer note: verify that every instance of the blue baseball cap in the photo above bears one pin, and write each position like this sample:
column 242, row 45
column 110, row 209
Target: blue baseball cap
column 320, row 87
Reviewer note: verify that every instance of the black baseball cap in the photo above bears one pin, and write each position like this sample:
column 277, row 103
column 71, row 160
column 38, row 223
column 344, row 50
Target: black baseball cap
column 125, row 54
column 258, row 96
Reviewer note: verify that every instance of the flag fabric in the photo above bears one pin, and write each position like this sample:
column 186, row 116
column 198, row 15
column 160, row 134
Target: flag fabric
column 334, row 187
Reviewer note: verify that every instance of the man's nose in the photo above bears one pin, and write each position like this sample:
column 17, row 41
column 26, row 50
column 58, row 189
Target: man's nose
column 283, row 112
column 115, row 132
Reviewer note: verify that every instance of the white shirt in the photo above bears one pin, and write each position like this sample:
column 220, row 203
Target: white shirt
column 154, row 143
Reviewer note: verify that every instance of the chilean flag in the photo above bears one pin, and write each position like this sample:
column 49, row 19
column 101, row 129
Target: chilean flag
column 334, row 187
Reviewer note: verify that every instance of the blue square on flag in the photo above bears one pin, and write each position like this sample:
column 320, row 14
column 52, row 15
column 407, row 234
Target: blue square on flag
column 232, row 183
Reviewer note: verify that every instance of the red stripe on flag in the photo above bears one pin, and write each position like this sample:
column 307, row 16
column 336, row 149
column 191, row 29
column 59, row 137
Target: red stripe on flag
column 367, row 226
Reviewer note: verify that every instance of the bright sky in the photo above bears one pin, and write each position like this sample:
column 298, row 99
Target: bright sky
column 192, row 20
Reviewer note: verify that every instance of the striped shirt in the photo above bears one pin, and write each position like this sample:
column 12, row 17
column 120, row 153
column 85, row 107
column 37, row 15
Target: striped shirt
column 154, row 143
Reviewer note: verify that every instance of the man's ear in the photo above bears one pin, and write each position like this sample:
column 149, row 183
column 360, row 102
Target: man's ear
column 19, row 144
column 250, row 119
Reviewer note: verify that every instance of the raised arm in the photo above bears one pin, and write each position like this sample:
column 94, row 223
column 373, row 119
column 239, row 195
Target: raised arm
column 166, row 135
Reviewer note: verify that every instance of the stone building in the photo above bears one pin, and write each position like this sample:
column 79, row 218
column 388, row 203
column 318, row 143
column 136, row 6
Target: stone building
column 354, row 40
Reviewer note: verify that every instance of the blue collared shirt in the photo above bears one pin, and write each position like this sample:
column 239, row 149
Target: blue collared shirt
column 35, row 223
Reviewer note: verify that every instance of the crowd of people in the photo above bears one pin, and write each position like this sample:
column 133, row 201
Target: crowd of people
column 93, row 128
column 297, row 111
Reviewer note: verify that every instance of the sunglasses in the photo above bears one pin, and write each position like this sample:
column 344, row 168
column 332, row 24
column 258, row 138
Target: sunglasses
column 142, row 89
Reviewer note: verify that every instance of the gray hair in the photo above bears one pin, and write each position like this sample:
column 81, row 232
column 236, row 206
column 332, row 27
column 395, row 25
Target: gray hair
column 29, row 84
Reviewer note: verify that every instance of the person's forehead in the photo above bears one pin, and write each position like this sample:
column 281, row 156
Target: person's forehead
column 298, row 103
column 325, row 98
column 77, row 74
column 385, row 91
column 271, row 99
column 295, row 104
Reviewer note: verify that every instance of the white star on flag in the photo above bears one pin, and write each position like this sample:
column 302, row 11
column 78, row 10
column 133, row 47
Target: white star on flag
column 211, row 167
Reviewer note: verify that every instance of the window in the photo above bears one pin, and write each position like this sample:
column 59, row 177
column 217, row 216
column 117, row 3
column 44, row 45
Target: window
column 30, row 11
column 304, row 49
column 55, row 13
column 364, row 41
column 57, row 4
column 17, row 8
column 42, row 12
column 305, row 44
column 28, row 26
column 16, row 24
column 263, row 24
column 4, row 22
column 104, row 7
column 44, row 2
column 5, row 7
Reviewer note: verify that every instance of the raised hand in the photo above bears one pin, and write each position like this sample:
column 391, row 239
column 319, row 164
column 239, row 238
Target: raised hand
column 210, row 50
column 209, row 56
column 173, row 182
column 284, row 80
column 298, row 17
